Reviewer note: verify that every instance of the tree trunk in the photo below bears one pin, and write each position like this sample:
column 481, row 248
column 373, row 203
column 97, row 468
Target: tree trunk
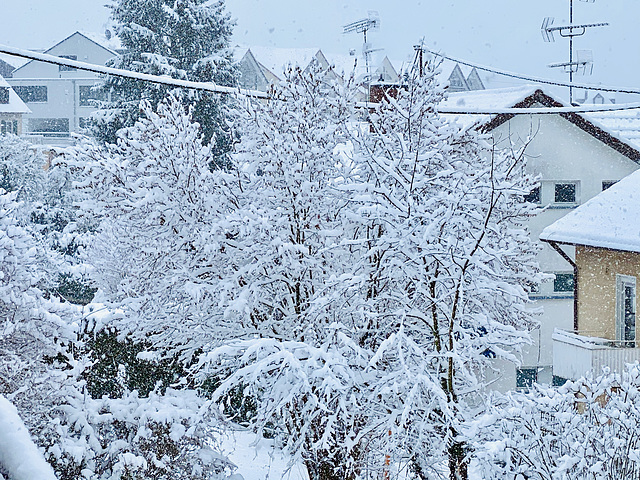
column 327, row 470
column 457, row 461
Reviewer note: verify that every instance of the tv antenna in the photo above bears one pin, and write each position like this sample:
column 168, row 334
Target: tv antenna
column 584, row 58
column 372, row 22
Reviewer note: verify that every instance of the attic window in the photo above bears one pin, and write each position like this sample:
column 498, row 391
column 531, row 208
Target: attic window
column 565, row 193
column 4, row 95
column 64, row 68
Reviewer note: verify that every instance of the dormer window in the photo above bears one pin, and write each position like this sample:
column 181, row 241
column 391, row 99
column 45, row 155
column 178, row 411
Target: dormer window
column 4, row 95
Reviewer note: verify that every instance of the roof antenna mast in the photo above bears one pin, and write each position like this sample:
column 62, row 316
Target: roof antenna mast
column 372, row 22
column 584, row 58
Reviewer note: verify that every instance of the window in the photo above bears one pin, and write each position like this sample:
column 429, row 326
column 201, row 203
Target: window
column 4, row 95
column 32, row 93
column 84, row 122
column 565, row 193
column 626, row 310
column 64, row 68
column 88, row 95
column 525, row 378
column 607, row 184
column 533, row 196
column 563, row 283
column 51, row 126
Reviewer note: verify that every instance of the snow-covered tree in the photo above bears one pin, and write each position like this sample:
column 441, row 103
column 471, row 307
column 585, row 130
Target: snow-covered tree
column 185, row 39
column 46, row 210
column 448, row 260
column 415, row 266
column 155, row 197
column 585, row 429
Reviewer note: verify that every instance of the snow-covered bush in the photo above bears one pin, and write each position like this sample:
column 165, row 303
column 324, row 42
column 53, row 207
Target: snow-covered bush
column 587, row 429
column 46, row 209
column 159, row 437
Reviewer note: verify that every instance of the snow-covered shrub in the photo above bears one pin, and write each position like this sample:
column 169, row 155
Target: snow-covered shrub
column 45, row 209
column 165, row 436
column 587, row 429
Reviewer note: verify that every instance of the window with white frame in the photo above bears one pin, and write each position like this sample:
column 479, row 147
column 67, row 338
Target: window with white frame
column 563, row 283
column 565, row 193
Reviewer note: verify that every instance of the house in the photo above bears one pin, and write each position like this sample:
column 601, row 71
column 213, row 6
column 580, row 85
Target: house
column 12, row 108
column 605, row 233
column 61, row 98
column 575, row 157
column 459, row 83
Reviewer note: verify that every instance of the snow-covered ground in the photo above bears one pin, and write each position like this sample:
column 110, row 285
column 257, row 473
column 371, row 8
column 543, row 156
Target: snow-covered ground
column 259, row 462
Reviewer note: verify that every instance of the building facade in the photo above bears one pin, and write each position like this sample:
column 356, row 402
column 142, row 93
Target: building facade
column 61, row 99
column 575, row 159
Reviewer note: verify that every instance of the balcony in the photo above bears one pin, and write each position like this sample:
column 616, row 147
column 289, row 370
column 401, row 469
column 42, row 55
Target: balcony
column 574, row 354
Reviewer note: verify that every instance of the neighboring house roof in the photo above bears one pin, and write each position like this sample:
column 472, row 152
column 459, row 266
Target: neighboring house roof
column 624, row 123
column 608, row 220
column 273, row 62
column 15, row 105
column 92, row 40
column 529, row 96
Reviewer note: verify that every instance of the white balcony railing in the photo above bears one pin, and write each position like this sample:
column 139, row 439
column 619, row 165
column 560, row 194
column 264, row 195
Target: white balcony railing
column 574, row 355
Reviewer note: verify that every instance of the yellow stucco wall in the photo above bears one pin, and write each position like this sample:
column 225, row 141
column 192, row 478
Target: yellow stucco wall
column 597, row 270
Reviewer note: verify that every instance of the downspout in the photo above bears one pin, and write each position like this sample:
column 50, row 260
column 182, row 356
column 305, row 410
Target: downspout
column 557, row 248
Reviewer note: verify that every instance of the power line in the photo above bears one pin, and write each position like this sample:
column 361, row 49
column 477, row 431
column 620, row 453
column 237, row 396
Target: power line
column 211, row 87
column 529, row 78
column 116, row 72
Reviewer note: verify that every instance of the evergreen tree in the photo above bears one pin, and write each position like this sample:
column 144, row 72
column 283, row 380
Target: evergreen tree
column 185, row 39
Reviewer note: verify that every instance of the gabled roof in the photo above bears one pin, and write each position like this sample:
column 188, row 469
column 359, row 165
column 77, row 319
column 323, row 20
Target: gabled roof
column 530, row 96
column 608, row 220
column 111, row 52
column 15, row 105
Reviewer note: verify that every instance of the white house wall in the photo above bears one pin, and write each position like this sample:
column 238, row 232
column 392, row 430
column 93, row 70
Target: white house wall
column 559, row 151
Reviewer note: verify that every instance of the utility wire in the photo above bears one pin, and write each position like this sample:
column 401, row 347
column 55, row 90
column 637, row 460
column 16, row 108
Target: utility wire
column 528, row 78
column 212, row 87
column 116, row 72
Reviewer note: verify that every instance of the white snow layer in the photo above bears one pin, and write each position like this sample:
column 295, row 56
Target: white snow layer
column 608, row 220
column 19, row 456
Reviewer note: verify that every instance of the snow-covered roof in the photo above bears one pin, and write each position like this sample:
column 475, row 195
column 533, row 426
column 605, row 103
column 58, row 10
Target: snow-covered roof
column 277, row 59
column 15, row 105
column 623, row 124
column 494, row 99
column 113, row 43
column 528, row 96
column 608, row 220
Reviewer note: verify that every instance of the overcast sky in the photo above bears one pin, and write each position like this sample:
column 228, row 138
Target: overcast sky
column 500, row 33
